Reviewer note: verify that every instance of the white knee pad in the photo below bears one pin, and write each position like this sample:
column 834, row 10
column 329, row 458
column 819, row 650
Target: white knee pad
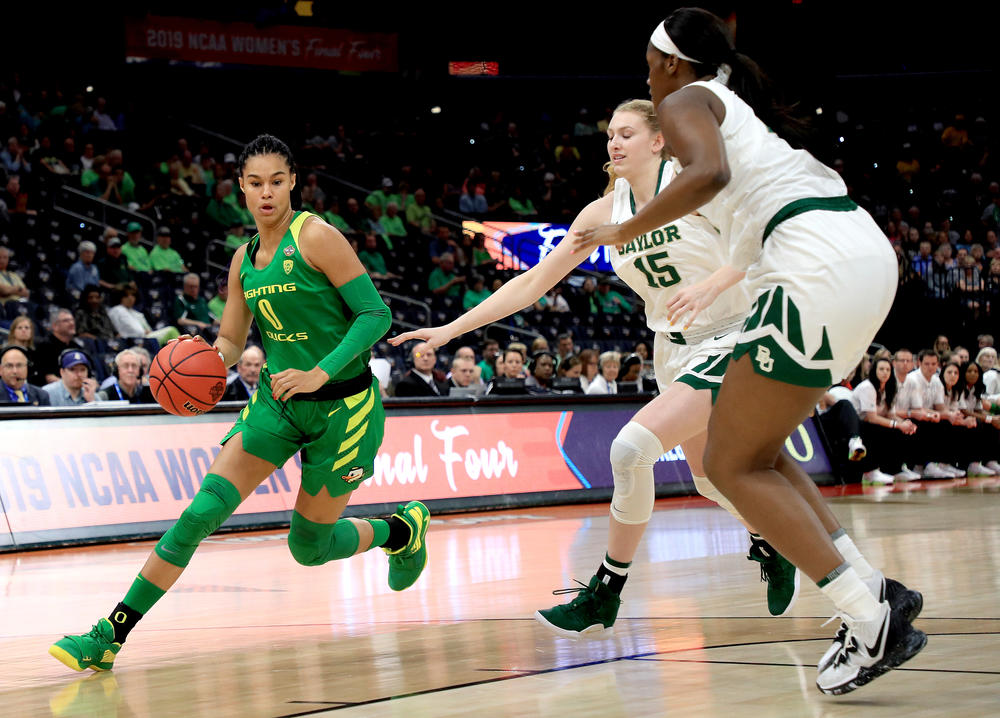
column 708, row 490
column 633, row 453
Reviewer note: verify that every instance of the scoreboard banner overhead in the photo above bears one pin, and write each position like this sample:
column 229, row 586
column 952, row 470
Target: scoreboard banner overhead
column 207, row 41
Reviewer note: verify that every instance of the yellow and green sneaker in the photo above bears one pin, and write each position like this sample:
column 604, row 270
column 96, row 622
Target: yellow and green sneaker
column 406, row 564
column 95, row 650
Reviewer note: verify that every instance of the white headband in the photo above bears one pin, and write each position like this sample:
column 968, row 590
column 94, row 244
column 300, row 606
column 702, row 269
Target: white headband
column 662, row 42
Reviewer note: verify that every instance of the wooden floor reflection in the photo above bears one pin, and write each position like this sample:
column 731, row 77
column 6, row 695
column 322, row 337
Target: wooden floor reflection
column 249, row 633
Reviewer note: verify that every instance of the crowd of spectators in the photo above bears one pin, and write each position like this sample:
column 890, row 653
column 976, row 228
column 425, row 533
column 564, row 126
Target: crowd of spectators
column 114, row 291
column 935, row 415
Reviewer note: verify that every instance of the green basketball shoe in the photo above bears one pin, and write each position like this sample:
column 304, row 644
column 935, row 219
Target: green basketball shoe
column 590, row 615
column 95, row 650
column 406, row 564
column 781, row 576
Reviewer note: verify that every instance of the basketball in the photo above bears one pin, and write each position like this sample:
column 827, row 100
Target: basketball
column 187, row 377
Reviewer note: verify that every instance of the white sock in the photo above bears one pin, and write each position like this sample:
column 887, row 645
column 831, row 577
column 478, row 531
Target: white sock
column 850, row 595
column 851, row 554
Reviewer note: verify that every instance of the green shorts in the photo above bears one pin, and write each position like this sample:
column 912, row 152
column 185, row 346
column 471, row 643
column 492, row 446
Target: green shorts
column 338, row 438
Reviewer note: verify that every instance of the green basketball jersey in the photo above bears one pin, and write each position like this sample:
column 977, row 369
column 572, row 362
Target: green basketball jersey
column 301, row 316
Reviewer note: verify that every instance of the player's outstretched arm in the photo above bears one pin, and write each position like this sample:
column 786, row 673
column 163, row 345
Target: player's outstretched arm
column 236, row 317
column 523, row 290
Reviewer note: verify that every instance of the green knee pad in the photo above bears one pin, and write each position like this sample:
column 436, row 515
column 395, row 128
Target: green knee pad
column 213, row 504
column 313, row 544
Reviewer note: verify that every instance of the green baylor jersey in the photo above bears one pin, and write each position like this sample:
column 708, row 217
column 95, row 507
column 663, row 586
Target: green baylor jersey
column 300, row 314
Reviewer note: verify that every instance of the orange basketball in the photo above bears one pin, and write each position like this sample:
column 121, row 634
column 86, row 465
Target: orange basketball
column 187, row 377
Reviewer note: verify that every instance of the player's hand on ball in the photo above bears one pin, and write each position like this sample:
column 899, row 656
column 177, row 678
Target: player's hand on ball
column 286, row 384
column 435, row 336
column 182, row 337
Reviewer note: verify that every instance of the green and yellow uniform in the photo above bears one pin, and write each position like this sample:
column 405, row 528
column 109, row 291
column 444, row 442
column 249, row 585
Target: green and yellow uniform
column 306, row 322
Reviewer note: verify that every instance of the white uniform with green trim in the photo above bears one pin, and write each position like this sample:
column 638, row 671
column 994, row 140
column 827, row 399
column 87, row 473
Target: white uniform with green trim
column 822, row 273
column 658, row 265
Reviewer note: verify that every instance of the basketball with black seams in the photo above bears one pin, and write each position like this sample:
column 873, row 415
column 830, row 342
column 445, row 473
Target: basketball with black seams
column 187, row 377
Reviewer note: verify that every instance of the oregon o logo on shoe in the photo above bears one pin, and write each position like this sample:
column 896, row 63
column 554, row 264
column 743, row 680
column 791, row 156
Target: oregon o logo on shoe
column 764, row 359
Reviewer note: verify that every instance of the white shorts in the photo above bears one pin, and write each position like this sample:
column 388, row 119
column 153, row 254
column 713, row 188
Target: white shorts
column 823, row 285
column 700, row 364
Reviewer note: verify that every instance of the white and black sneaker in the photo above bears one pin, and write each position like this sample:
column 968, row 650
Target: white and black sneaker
column 869, row 649
column 907, row 602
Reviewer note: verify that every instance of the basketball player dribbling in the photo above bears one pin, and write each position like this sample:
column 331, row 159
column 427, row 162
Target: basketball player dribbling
column 319, row 314
column 823, row 277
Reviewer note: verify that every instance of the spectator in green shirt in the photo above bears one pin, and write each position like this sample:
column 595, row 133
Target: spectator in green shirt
column 191, row 314
column 443, row 281
column 418, row 214
column 392, row 223
column 332, row 215
column 476, row 292
column 381, row 197
column 217, row 304
column 236, row 237
column 520, row 205
column 373, row 260
column 610, row 301
column 221, row 210
column 163, row 258
column 135, row 253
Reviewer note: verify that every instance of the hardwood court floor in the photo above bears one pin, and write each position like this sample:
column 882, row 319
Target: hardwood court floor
column 249, row 633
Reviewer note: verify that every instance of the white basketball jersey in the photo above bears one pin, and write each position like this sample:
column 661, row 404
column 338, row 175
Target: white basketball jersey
column 766, row 174
column 659, row 264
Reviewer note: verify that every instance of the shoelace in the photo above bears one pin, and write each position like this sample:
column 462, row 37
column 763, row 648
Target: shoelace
column 561, row 591
column 766, row 562
column 841, row 638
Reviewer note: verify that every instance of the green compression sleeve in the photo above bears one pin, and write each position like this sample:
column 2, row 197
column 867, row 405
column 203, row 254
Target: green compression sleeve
column 371, row 321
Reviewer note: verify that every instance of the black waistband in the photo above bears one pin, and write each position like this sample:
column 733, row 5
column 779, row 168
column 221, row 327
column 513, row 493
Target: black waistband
column 339, row 389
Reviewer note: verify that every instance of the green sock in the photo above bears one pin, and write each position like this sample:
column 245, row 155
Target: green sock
column 380, row 528
column 143, row 594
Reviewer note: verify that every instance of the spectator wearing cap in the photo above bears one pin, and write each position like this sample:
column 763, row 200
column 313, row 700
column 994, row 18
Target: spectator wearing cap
column 14, row 377
column 164, row 258
column 381, row 197
column 75, row 385
column 136, row 256
column 11, row 285
column 83, row 272
column 113, row 268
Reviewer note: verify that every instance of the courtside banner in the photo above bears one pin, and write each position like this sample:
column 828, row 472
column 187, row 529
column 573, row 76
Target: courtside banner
column 319, row 48
column 70, row 479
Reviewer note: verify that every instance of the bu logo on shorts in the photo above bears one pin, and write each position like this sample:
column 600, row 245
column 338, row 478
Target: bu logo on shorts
column 764, row 359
